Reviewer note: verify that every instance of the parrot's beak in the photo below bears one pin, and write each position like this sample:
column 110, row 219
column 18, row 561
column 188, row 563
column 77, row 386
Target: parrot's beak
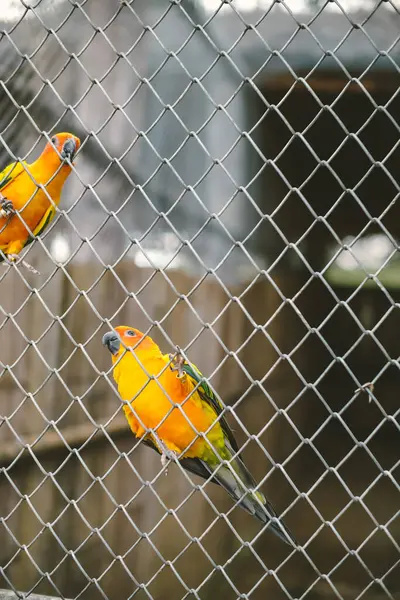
column 112, row 341
column 69, row 149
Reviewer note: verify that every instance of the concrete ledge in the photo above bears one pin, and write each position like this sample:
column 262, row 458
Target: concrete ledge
column 8, row 595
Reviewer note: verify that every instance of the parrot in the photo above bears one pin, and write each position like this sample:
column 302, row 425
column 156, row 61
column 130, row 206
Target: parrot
column 25, row 208
column 170, row 406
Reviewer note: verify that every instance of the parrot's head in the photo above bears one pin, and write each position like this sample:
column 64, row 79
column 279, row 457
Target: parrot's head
column 126, row 337
column 62, row 147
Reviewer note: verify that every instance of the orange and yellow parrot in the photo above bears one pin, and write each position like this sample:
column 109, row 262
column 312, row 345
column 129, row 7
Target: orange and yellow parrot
column 25, row 208
column 170, row 406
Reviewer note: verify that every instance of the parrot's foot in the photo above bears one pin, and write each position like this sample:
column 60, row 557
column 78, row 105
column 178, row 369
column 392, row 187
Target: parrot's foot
column 177, row 363
column 164, row 463
column 6, row 207
column 14, row 258
column 167, row 456
column 364, row 388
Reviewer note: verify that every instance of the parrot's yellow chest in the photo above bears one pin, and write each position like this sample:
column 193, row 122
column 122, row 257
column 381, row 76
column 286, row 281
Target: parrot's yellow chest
column 160, row 401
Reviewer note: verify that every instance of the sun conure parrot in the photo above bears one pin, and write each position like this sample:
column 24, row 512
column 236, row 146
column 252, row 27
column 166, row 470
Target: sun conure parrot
column 25, row 208
column 169, row 396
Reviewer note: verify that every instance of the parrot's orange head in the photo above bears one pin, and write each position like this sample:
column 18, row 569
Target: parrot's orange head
column 130, row 338
column 62, row 146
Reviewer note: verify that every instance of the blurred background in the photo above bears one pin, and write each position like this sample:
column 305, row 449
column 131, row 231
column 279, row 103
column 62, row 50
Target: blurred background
column 236, row 193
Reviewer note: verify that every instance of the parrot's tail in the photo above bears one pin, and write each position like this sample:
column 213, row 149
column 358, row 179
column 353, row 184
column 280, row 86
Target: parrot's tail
column 237, row 480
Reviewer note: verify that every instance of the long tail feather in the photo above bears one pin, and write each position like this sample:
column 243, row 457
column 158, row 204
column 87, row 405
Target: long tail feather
column 240, row 485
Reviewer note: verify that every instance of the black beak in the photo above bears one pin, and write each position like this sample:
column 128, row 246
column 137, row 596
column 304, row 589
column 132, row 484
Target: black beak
column 112, row 341
column 69, row 149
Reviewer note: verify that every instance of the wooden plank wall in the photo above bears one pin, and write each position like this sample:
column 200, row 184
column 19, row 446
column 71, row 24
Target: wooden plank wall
column 76, row 504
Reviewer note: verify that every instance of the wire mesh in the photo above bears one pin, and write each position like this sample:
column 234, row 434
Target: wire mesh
column 235, row 194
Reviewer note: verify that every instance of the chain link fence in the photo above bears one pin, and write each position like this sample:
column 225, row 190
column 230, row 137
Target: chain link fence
column 235, row 195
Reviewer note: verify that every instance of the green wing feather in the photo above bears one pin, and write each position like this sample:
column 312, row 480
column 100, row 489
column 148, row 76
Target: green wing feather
column 237, row 480
column 208, row 396
column 41, row 226
column 11, row 172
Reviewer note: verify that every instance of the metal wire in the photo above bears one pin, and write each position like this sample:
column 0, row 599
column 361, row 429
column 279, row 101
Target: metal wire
column 181, row 108
column 6, row 595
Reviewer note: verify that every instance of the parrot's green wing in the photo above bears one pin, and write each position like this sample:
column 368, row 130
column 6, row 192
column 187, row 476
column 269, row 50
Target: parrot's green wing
column 236, row 479
column 11, row 172
column 208, row 396
column 41, row 226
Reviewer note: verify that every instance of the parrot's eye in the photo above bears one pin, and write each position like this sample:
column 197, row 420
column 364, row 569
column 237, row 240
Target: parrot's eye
column 54, row 140
column 130, row 333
